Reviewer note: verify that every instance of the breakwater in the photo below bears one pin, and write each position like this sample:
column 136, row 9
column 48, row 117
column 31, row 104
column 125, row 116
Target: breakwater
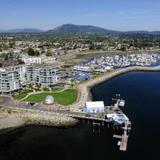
column 48, row 119
column 84, row 88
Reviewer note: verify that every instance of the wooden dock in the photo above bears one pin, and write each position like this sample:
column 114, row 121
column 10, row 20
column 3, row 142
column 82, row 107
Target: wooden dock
column 124, row 137
column 124, row 142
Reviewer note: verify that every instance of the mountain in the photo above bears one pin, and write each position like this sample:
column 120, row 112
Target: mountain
column 24, row 30
column 88, row 29
column 82, row 29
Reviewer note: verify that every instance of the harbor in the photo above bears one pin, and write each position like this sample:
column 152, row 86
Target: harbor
column 110, row 115
column 108, row 62
column 82, row 136
column 85, row 109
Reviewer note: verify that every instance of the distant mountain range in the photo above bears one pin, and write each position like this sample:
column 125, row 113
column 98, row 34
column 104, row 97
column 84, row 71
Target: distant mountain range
column 24, row 30
column 88, row 29
column 80, row 29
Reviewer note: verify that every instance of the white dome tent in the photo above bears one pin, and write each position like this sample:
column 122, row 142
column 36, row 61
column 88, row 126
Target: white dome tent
column 49, row 100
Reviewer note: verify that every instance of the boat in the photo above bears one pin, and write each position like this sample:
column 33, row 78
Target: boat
column 122, row 103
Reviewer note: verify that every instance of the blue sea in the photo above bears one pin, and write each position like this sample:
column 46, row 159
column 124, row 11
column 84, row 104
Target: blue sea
column 141, row 90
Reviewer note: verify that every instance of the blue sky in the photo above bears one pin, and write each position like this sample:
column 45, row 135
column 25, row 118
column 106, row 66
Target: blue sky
column 111, row 14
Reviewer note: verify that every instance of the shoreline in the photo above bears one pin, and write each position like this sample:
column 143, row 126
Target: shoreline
column 14, row 117
column 117, row 52
column 85, row 87
column 11, row 119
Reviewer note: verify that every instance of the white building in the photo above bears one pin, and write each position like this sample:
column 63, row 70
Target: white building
column 44, row 74
column 12, row 78
column 94, row 107
column 48, row 60
column 83, row 68
column 32, row 60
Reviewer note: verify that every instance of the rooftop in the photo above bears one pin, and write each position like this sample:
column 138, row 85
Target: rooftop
column 96, row 104
column 7, row 63
column 45, row 65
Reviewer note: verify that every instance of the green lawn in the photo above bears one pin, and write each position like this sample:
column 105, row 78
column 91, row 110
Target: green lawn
column 65, row 98
column 21, row 95
column 57, row 89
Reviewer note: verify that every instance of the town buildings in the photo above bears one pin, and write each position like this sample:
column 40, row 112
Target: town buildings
column 14, row 78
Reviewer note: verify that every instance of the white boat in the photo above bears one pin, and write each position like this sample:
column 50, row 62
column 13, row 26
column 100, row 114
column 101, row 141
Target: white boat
column 122, row 103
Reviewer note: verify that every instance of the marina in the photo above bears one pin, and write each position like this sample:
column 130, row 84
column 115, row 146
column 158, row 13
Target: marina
column 110, row 62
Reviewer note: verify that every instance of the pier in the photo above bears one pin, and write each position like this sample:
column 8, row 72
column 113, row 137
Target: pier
column 101, row 121
column 124, row 137
column 112, row 116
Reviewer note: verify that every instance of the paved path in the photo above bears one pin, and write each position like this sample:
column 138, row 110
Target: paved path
column 38, row 92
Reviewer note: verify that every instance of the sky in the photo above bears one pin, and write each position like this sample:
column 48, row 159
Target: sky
column 124, row 15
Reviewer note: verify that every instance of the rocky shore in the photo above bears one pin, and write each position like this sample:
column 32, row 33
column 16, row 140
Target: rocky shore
column 9, row 119
column 48, row 120
column 13, row 118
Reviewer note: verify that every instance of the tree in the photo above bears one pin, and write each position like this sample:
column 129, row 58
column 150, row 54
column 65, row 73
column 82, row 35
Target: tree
column 31, row 52
column 36, row 53
column 91, row 46
column 49, row 53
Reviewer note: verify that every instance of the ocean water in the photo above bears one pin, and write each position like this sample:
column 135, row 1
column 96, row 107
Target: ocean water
column 141, row 90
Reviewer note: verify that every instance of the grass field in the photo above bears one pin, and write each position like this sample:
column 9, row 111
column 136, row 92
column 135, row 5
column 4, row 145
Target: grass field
column 21, row 95
column 66, row 97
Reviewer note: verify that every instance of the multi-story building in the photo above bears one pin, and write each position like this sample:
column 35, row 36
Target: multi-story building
column 12, row 78
column 48, row 75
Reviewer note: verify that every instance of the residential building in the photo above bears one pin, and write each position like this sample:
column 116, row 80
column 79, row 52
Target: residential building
column 48, row 75
column 12, row 78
